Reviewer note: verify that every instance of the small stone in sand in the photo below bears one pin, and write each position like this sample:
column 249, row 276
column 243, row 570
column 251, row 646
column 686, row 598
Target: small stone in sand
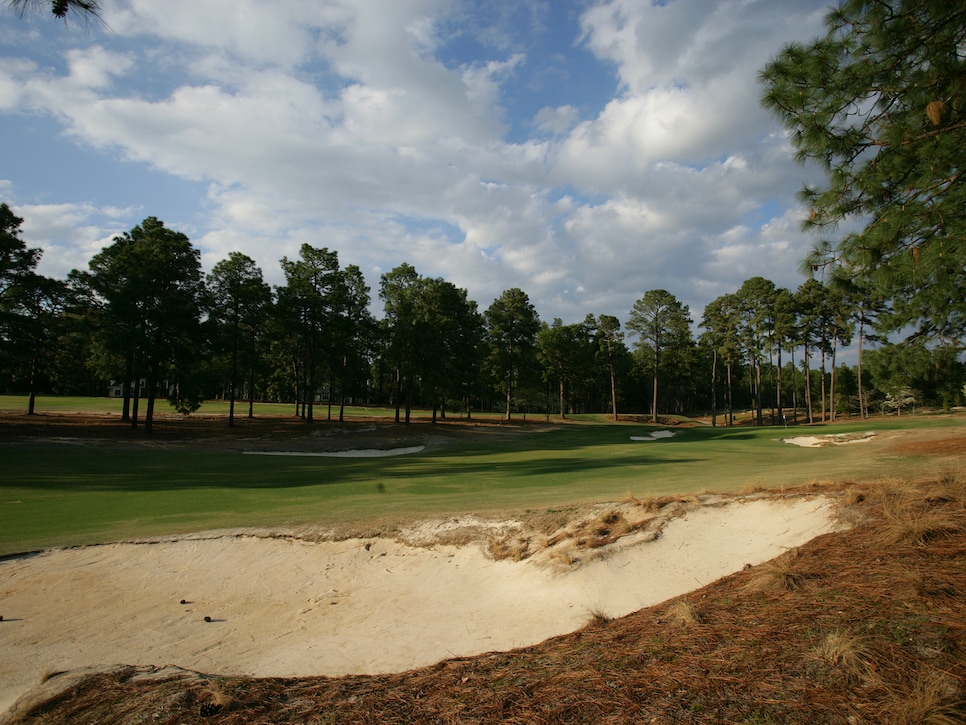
column 207, row 618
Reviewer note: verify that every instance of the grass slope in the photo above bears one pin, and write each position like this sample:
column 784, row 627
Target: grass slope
column 70, row 478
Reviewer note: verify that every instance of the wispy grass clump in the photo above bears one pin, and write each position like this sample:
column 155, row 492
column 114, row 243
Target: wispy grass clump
column 847, row 653
column 681, row 613
column 780, row 574
column 929, row 697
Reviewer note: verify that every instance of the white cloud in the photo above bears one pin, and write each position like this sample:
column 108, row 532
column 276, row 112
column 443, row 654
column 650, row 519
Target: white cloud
column 95, row 67
column 281, row 32
column 556, row 121
column 68, row 234
column 345, row 124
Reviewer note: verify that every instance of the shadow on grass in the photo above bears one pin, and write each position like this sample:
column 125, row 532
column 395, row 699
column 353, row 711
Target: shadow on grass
column 71, row 469
column 557, row 456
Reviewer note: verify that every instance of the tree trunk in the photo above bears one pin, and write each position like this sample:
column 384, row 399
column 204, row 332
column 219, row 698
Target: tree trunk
column 831, row 392
column 251, row 391
column 234, row 376
column 808, row 385
column 714, row 398
column 136, row 395
column 758, row 402
column 862, row 412
column 126, row 388
column 778, row 386
column 509, row 393
column 32, row 394
column 409, row 397
column 823, row 385
column 310, row 388
column 152, row 392
column 613, row 392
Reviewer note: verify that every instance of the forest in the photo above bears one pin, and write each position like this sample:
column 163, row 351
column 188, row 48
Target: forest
column 144, row 322
column 878, row 104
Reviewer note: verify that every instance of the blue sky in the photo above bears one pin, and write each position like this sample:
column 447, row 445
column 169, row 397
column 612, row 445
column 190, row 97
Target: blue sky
column 583, row 151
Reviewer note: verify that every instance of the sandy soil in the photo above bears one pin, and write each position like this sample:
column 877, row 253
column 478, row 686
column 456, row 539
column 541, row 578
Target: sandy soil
column 292, row 607
column 830, row 439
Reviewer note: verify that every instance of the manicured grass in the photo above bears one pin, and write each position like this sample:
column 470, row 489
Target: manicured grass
column 67, row 493
column 76, row 404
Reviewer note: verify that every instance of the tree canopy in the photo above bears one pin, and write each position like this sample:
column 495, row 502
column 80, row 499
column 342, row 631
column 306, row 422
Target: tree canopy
column 63, row 9
column 149, row 290
column 512, row 327
column 143, row 320
column 662, row 323
column 879, row 102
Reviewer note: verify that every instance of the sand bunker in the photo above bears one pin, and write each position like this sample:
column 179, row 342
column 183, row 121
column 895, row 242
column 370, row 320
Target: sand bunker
column 360, row 453
column 655, row 436
column 290, row 607
column 832, row 439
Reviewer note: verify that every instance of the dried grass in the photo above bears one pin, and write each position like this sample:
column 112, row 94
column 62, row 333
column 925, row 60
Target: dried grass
column 509, row 547
column 599, row 618
column 782, row 573
column 647, row 503
column 929, row 697
column 681, row 613
column 918, row 527
column 848, row 653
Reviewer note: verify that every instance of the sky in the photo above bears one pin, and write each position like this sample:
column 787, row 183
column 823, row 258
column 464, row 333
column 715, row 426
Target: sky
column 585, row 151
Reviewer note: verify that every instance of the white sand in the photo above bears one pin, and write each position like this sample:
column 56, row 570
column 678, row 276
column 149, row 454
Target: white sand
column 832, row 439
column 283, row 607
column 655, row 436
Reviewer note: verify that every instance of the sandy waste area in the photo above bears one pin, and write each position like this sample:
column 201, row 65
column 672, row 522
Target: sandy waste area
column 284, row 606
column 830, row 439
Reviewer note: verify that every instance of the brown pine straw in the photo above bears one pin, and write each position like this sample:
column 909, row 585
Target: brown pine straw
column 751, row 653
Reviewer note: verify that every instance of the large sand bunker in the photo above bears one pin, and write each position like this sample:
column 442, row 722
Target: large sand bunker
column 291, row 607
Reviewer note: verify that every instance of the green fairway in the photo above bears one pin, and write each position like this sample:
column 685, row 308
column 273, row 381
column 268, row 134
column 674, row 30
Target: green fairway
column 68, row 492
column 74, row 404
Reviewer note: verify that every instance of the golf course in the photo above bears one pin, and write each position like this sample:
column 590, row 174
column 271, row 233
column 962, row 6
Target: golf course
column 284, row 571
column 74, row 474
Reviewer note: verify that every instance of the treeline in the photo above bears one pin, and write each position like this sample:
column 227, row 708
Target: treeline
column 144, row 322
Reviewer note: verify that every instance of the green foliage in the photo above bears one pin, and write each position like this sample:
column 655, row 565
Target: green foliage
column 512, row 325
column 149, row 293
column 908, row 374
column 86, row 10
column 879, row 103
column 663, row 325
column 567, row 355
column 433, row 335
column 307, row 306
column 240, row 306
column 31, row 310
column 143, row 312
